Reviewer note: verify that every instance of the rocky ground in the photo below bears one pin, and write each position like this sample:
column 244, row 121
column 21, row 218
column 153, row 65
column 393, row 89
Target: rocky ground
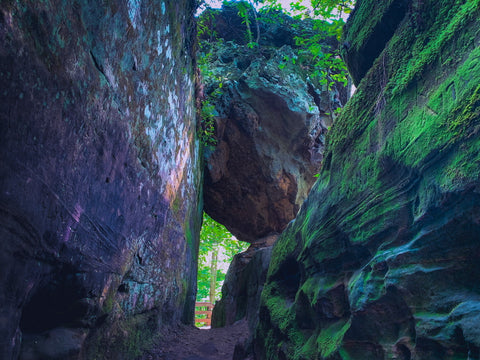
column 191, row 343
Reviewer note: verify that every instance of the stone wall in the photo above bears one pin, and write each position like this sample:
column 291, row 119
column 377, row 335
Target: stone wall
column 382, row 260
column 100, row 175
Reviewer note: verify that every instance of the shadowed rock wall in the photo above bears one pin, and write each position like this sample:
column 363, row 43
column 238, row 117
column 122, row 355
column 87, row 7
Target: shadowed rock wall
column 243, row 285
column 382, row 259
column 99, row 175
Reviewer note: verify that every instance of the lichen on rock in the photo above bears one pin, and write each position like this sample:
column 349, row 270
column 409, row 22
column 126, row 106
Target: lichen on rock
column 100, row 175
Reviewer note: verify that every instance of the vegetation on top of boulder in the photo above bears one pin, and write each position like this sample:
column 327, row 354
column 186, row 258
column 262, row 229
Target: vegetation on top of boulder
column 310, row 30
column 313, row 33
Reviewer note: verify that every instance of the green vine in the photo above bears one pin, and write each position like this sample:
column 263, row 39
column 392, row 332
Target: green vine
column 207, row 135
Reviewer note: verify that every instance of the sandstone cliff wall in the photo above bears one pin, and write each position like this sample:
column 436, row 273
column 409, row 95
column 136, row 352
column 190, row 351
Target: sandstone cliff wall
column 382, row 260
column 99, row 175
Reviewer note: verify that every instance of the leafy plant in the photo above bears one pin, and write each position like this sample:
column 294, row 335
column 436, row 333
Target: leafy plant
column 322, row 61
column 207, row 135
column 207, row 112
column 206, row 25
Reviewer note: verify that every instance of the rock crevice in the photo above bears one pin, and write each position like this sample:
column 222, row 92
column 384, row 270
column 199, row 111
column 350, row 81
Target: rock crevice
column 271, row 121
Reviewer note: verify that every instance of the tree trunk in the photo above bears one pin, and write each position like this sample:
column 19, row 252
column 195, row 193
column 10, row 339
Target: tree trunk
column 213, row 275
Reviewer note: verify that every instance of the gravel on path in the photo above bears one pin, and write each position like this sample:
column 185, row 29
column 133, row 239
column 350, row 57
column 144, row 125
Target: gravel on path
column 191, row 343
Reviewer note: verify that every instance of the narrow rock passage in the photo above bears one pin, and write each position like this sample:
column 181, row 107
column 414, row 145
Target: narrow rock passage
column 191, row 343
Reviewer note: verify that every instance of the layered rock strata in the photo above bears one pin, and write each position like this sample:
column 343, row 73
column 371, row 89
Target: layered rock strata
column 382, row 259
column 100, row 175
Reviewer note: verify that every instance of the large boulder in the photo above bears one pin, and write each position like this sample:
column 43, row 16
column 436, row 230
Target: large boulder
column 100, row 175
column 271, row 121
column 382, row 259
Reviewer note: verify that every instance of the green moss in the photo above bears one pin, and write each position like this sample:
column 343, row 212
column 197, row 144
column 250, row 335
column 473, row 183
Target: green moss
column 282, row 249
column 366, row 287
column 108, row 304
column 281, row 312
column 444, row 120
column 462, row 168
column 190, row 239
column 409, row 134
column 466, row 112
column 452, row 20
column 331, row 337
column 344, row 355
column 183, row 291
column 306, row 350
column 442, row 39
column 121, row 339
column 367, row 15
column 176, row 204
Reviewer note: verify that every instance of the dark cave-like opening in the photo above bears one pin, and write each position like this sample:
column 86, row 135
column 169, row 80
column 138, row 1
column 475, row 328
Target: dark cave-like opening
column 57, row 302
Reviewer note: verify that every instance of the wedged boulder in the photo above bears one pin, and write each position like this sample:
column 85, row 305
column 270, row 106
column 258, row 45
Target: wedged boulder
column 99, row 175
column 271, row 123
column 382, row 259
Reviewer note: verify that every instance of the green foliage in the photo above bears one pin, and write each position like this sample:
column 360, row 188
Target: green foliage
column 206, row 25
column 204, row 60
column 327, row 17
column 214, row 237
column 243, row 9
column 321, row 61
column 207, row 135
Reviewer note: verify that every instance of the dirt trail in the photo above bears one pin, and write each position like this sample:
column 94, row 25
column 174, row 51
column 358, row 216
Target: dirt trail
column 191, row 343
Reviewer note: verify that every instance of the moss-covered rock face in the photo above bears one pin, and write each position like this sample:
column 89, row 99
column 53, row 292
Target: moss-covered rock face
column 382, row 260
column 100, row 175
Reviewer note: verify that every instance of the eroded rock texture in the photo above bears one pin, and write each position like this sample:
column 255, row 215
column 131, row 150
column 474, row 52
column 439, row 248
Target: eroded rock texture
column 99, row 175
column 243, row 285
column 382, row 260
column 271, row 122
